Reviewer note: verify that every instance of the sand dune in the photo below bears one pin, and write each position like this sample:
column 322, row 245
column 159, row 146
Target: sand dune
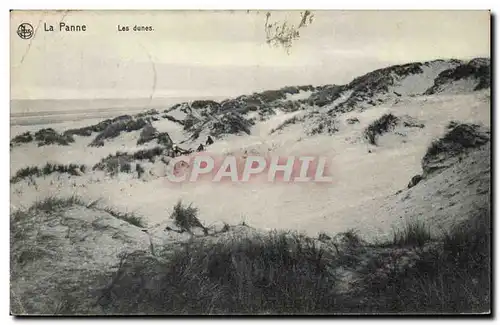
column 360, row 178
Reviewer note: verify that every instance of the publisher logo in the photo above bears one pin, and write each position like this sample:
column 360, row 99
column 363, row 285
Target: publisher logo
column 25, row 31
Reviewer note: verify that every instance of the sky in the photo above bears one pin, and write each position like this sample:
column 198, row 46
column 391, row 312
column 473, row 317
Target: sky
column 223, row 53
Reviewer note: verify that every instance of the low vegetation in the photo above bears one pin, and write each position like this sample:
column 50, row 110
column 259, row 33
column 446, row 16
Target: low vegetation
column 230, row 122
column 113, row 164
column 275, row 273
column 164, row 139
column 99, row 127
column 270, row 96
column 140, row 170
column 121, row 161
column 323, row 125
column 380, row 126
column 292, row 105
column 283, row 272
column 114, row 129
column 53, row 204
column 47, row 169
column 186, row 217
column 173, row 119
column 148, row 134
column 413, row 233
column 148, row 154
column 50, row 136
column 280, row 272
column 25, row 137
column 43, row 137
column 20, row 219
column 189, row 122
column 150, row 112
column 131, row 218
column 451, row 276
column 352, row 120
column 479, row 69
column 459, row 138
column 198, row 104
column 325, row 95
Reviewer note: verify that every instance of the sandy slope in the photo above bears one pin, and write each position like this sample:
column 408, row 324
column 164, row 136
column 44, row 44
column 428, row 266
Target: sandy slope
column 359, row 197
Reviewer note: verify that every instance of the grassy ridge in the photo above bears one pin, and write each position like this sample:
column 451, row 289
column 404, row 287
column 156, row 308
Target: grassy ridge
column 47, row 169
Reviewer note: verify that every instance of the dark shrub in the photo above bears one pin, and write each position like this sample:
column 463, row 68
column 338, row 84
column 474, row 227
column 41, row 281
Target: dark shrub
column 25, row 137
column 148, row 113
column 468, row 243
column 121, row 124
column 458, row 139
column 135, row 125
column 113, row 164
column 121, row 160
column 125, row 167
column 84, row 132
column 148, row 154
column 325, row 95
column 148, row 133
column 290, row 121
column 47, row 169
column 271, row 95
column 414, row 232
column 99, row 127
column 324, row 124
column 189, row 122
column 173, row 119
column 461, row 136
column 139, row 169
column 127, row 217
column 164, row 140
column 50, row 136
column 453, row 277
column 480, row 69
column 230, row 123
